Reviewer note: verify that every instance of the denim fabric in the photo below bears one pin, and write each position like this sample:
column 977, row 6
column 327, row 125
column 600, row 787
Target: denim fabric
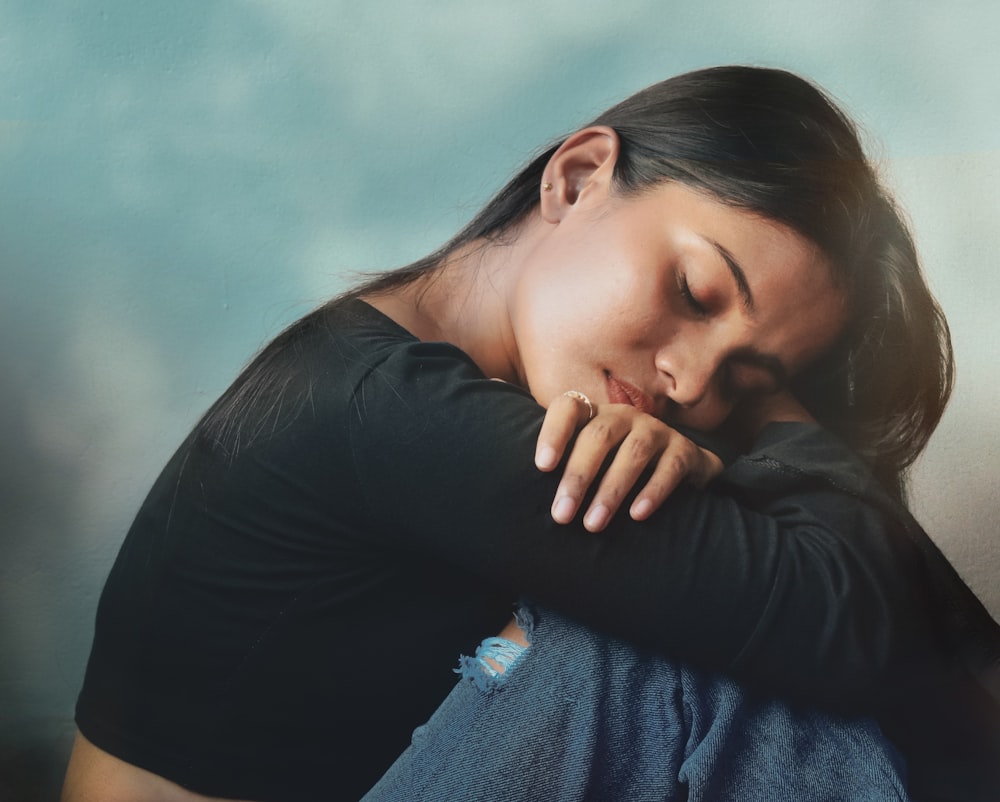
column 579, row 716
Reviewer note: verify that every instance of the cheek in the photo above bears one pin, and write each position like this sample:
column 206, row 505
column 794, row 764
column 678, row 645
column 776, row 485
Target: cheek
column 552, row 361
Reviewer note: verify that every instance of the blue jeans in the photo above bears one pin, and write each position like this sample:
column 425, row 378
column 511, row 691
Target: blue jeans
column 579, row 716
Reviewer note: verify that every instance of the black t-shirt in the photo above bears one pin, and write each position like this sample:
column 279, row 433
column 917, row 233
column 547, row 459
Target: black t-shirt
column 283, row 614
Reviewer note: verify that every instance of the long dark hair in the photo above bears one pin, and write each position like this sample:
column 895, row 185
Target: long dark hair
column 772, row 143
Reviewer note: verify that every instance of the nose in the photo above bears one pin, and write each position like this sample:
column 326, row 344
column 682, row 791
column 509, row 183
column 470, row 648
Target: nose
column 689, row 376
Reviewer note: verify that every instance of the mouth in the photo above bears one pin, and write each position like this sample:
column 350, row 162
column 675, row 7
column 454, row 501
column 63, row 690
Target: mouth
column 621, row 392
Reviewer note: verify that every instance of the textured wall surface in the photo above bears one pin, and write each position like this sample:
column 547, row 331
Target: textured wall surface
column 180, row 179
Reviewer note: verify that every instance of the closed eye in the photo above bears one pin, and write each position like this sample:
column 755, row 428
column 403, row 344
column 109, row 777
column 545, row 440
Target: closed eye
column 693, row 303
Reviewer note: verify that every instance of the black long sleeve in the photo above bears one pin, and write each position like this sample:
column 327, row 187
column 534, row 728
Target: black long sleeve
column 289, row 610
column 784, row 573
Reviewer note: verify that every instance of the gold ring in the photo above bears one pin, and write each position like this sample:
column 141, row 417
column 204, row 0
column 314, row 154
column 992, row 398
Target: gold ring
column 577, row 395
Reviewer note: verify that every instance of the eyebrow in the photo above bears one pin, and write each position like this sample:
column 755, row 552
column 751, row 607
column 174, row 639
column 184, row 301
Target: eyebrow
column 768, row 362
column 738, row 274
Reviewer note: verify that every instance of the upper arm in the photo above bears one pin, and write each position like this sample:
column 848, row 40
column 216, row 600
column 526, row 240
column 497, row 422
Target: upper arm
column 94, row 775
column 808, row 589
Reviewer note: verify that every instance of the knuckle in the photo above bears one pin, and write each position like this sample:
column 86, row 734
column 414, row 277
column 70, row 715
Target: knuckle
column 641, row 447
column 610, row 496
column 679, row 464
column 574, row 483
column 657, row 489
column 599, row 431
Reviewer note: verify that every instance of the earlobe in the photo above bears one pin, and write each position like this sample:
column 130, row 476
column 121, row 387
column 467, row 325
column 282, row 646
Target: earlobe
column 583, row 164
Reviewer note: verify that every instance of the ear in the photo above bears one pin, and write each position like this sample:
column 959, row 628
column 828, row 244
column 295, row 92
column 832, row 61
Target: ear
column 583, row 164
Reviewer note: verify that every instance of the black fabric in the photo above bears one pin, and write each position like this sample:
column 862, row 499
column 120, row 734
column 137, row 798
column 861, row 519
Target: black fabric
column 278, row 622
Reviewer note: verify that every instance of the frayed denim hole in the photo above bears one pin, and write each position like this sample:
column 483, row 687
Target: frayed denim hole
column 524, row 617
column 505, row 653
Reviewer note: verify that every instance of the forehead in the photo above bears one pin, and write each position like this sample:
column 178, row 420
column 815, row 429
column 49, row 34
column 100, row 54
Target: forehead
column 798, row 309
column 759, row 240
column 785, row 285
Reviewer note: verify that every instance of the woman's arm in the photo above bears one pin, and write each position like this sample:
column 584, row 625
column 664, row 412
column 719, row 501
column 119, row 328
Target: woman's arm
column 785, row 572
column 621, row 450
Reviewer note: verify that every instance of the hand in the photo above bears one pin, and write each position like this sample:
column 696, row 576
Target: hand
column 641, row 440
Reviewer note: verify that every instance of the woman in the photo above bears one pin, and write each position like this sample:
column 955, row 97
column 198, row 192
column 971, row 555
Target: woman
column 358, row 507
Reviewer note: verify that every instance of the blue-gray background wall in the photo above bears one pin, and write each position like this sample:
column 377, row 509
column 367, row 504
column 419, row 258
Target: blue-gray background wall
column 180, row 179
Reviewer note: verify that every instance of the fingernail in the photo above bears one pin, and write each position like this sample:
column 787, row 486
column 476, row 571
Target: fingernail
column 641, row 509
column 596, row 518
column 563, row 509
column 546, row 458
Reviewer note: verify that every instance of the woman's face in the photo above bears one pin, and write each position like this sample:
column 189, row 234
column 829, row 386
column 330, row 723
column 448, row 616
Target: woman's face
column 670, row 301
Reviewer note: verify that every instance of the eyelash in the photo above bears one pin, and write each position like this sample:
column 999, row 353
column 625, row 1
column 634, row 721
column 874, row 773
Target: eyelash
column 726, row 380
column 695, row 305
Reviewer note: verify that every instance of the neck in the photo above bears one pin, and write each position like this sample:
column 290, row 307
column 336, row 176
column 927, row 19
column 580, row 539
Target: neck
column 466, row 302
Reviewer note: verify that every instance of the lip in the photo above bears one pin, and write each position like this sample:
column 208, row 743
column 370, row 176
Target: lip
column 621, row 392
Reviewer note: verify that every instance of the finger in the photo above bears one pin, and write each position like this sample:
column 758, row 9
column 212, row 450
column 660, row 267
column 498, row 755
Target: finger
column 636, row 452
column 708, row 466
column 670, row 471
column 590, row 450
column 563, row 417
column 683, row 461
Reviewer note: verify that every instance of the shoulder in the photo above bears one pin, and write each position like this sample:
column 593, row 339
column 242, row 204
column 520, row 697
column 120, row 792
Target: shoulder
column 370, row 344
column 310, row 373
column 387, row 370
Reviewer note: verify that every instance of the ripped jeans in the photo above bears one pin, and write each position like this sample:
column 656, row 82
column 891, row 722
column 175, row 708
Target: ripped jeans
column 579, row 716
